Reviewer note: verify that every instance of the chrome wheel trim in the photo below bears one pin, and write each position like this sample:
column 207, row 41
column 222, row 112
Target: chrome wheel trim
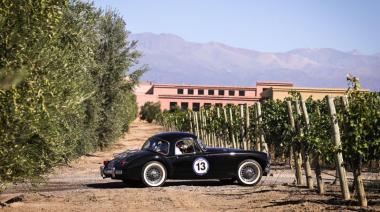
column 249, row 172
column 154, row 174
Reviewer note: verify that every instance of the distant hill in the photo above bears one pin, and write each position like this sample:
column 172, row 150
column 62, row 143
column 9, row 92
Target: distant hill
column 173, row 60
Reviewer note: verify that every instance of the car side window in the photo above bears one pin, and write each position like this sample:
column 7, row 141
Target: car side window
column 162, row 147
column 184, row 146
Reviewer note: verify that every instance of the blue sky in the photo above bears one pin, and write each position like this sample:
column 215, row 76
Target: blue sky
column 265, row 25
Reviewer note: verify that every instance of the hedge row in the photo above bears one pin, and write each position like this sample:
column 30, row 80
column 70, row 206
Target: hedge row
column 65, row 84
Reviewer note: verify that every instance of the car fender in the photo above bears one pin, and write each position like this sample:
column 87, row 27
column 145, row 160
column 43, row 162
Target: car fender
column 134, row 168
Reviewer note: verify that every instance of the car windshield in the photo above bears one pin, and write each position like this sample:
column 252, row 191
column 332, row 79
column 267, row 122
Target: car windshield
column 201, row 144
column 156, row 145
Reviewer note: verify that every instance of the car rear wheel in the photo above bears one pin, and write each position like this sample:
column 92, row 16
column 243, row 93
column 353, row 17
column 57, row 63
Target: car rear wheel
column 154, row 174
column 249, row 172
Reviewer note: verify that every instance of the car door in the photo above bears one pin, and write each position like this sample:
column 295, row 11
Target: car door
column 183, row 163
column 223, row 164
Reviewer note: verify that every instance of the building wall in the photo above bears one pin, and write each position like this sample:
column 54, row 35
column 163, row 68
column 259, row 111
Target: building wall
column 315, row 93
column 141, row 96
column 167, row 93
column 170, row 94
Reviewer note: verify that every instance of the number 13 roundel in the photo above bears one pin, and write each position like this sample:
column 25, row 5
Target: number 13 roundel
column 200, row 166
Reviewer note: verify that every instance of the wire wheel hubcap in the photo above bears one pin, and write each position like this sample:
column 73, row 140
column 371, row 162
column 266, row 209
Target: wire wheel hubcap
column 249, row 172
column 154, row 174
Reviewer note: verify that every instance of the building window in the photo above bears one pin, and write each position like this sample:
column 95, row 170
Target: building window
column 196, row 106
column 241, row 93
column 221, row 92
column 179, row 91
column 229, row 105
column 184, row 105
column 210, row 92
column 219, row 105
column 207, row 105
column 190, row 91
column 173, row 105
column 231, row 93
column 201, row 92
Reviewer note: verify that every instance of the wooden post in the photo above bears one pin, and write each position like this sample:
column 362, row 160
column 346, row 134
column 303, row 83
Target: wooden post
column 205, row 135
column 175, row 124
column 309, row 178
column 297, row 154
column 196, row 123
column 247, row 127
column 226, row 141
column 231, row 131
column 200, row 117
column 264, row 145
column 358, row 181
column 207, row 132
column 318, row 172
column 243, row 129
column 257, row 133
column 190, row 121
column 219, row 141
column 338, row 155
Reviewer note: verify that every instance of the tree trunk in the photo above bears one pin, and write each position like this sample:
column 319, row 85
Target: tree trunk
column 291, row 158
column 335, row 182
column 298, row 165
column 318, row 175
column 309, row 178
column 296, row 154
column 359, row 185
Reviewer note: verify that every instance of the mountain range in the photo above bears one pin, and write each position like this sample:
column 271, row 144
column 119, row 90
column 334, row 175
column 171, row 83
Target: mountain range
column 171, row 59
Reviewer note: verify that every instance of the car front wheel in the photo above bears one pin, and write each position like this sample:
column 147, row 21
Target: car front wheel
column 249, row 172
column 154, row 174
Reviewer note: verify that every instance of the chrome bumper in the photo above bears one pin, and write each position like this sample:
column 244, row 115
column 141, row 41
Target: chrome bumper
column 107, row 172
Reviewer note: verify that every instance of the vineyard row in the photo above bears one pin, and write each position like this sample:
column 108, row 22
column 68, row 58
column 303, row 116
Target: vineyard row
column 343, row 131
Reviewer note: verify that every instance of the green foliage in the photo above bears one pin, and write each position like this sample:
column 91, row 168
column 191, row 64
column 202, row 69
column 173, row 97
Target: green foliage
column 27, row 27
column 150, row 111
column 360, row 126
column 63, row 90
column 360, row 121
column 277, row 129
column 318, row 134
column 176, row 119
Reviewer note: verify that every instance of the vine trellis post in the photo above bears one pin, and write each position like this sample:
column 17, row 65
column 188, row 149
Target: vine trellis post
column 338, row 145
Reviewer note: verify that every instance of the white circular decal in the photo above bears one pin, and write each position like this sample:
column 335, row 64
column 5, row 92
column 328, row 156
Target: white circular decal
column 200, row 166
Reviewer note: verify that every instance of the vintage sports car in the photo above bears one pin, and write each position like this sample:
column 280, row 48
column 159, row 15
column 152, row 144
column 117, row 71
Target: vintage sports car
column 180, row 155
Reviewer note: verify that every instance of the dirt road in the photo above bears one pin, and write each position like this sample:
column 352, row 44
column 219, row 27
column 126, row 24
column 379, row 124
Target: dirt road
column 79, row 187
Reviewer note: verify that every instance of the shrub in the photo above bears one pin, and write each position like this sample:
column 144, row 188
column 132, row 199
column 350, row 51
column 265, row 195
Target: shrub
column 150, row 111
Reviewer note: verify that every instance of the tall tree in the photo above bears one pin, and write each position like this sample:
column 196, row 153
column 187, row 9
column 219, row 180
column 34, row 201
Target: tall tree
column 115, row 56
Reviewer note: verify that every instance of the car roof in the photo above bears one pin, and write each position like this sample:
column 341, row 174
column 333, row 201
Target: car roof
column 174, row 136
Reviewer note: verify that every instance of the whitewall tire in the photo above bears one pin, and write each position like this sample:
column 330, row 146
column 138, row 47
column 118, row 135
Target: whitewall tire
column 154, row 174
column 249, row 172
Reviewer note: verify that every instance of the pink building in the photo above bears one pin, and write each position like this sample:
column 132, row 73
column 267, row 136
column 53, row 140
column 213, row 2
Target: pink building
column 195, row 96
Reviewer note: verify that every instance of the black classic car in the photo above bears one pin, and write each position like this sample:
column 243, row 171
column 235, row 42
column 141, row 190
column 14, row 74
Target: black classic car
column 180, row 155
